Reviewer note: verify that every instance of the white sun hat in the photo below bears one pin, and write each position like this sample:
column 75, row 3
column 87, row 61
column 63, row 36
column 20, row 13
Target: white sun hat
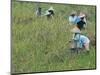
column 82, row 15
column 51, row 8
column 73, row 12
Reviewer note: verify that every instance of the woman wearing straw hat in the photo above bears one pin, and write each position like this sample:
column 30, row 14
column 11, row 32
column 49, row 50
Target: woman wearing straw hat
column 50, row 12
column 80, row 42
column 72, row 18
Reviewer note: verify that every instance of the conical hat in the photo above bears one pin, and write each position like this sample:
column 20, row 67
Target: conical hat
column 75, row 30
column 82, row 15
column 51, row 8
column 73, row 12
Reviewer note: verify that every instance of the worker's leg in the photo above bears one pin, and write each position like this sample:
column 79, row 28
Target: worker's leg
column 72, row 44
column 86, row 45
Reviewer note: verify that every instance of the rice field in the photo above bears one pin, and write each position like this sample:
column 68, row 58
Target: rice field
column 41, row 45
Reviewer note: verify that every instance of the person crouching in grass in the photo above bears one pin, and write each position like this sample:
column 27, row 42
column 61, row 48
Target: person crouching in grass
column 72, row 18
column 81, row 42
column 50, row 13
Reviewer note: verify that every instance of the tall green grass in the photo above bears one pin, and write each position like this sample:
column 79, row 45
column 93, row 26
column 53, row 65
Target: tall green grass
column 41, row 45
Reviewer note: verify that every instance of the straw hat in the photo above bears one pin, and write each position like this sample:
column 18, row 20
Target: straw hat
column 82, row 15
column 75, row 30
column 51, row 8
column 73, row 13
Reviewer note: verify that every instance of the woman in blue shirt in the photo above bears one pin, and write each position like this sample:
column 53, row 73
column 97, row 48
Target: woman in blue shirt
column 82, row 42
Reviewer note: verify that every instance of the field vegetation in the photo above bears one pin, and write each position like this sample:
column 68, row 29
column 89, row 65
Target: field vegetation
column 41, row 45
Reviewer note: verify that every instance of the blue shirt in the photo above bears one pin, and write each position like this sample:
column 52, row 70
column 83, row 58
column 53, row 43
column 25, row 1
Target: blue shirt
column 74, row 19
column 81, row 40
